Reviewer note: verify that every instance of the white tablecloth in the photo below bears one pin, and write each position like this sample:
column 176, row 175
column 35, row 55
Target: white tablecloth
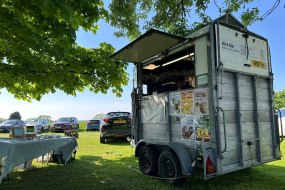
column 14, row 152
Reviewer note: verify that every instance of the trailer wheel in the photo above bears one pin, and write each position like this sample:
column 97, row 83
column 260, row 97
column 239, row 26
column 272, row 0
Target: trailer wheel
column 170, row 169
column 148, row 161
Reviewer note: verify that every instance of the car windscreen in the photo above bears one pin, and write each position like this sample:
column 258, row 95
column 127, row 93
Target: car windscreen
column 118, row 114
column 9, row 122
column 94, row 121
column 34, row 121
column 64, row 119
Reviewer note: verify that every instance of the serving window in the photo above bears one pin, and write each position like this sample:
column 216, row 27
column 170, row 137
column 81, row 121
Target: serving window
column 175, row 72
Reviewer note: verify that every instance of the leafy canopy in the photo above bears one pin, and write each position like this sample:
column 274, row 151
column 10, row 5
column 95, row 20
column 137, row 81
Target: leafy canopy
column 174, row 16
column 279, row 99
column 39, row 55
column 38, row 52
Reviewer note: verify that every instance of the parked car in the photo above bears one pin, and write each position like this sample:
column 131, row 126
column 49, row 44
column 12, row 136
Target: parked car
column 93, row 125
column 41, row 124
column 115, row 124
column 65, row 123
column 7, row 125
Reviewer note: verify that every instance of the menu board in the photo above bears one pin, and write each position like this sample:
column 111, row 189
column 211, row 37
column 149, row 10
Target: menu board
column 187, row 102
column 190, row 108
column 188, row 129
column 203, row 127
column 201, row 101
column 174, row 98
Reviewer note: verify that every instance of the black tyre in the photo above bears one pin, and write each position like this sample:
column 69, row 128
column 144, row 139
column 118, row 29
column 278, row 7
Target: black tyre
column 102, row 140
column 170, row 169
column 148, row 161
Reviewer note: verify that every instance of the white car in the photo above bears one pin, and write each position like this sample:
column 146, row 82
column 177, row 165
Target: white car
column 40, row 124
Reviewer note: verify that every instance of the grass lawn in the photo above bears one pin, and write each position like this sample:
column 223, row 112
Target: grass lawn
column 113, row 166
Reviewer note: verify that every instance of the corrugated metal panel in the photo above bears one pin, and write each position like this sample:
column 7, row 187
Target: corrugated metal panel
column 254, row 141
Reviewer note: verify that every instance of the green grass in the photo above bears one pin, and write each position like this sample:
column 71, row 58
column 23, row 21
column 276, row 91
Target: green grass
column 82, row 125
column 113, row 166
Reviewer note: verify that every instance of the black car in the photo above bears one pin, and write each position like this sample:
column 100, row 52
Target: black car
column 65, row 123
column 7, row 125
column 115, row 124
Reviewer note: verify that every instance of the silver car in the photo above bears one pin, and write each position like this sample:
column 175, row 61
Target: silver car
column 41, row 124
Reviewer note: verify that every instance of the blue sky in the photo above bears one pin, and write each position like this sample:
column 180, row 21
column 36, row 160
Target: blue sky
column 86, row 105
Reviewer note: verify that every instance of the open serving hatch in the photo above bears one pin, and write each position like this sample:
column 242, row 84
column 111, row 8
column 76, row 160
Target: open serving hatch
column 146, row 46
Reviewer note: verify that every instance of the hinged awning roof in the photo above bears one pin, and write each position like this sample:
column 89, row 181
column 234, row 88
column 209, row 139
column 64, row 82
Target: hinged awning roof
column 147, row 45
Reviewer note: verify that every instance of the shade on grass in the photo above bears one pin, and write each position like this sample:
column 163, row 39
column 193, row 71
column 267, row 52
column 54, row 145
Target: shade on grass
column 113, row 166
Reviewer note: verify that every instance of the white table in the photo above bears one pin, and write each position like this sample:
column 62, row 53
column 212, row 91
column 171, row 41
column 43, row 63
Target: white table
column 14, row 152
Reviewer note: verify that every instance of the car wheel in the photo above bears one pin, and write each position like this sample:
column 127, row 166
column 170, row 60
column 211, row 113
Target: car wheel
column 102, row 140
column 170, row 169
column 148, row 161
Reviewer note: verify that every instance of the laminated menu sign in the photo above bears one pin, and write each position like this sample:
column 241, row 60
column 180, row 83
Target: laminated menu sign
column 187, row 127
column 203, row 127
column 201, row 102
column 187, row 102
column 174, row 98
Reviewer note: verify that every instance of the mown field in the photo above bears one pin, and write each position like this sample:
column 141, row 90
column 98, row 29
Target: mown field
column 113, row 166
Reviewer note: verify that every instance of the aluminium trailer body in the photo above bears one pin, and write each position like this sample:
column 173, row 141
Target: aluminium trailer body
column 223, row 122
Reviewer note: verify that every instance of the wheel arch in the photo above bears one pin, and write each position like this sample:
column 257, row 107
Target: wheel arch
column 178, row 149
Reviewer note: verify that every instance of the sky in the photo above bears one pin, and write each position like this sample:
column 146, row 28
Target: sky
column 86, row 105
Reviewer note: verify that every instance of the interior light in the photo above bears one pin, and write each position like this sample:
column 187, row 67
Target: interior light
column 150, row 67
column 178, row 59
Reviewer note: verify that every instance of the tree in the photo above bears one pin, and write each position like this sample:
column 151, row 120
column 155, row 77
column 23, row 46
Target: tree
column 99, row 116
column 39, row 55
column 15, row 115
column 279, row 99
column 174, row 16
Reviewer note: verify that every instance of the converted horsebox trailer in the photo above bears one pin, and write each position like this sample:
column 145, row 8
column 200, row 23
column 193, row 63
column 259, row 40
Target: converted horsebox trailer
column 202, row 101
